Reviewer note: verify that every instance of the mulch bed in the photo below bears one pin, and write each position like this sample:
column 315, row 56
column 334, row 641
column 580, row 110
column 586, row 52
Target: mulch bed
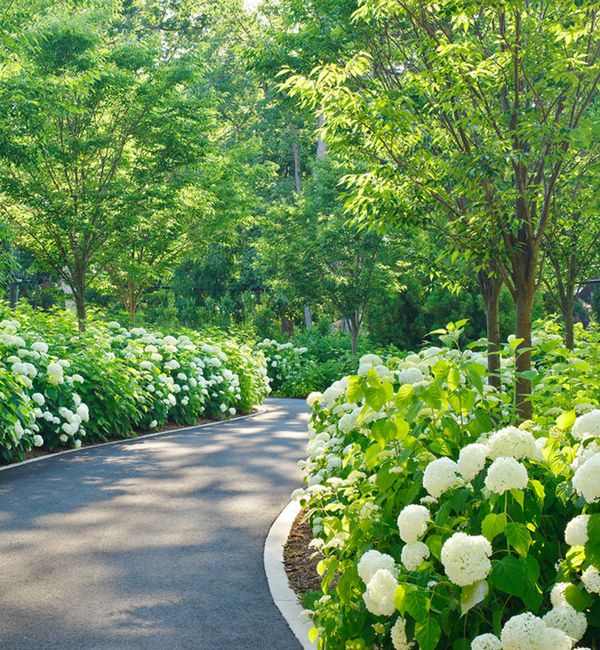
column 301, row 561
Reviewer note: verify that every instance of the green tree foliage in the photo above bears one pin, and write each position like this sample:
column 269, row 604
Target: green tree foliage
column 101, row 117
column 476, row 107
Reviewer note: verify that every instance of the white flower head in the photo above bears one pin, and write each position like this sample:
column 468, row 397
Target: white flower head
column 398, row 635
column 587, row 479
column 313, row 398
column 372, row 561
column 471, row 460
column 440, row 475
column 591, row 580
column 466, row 558
column 414, row 554
column 567, row 620
column 587, row 425
column 486, row 642
column 511, row 441
column 506, row 474
column 379, row 596
column 576, row 532
column 412, row 522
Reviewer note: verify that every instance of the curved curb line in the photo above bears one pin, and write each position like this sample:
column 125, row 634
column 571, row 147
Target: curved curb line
column 285, row 599
column 259, row 411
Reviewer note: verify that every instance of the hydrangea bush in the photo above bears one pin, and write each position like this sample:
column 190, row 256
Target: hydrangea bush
column 443, row 525
column 60, row 387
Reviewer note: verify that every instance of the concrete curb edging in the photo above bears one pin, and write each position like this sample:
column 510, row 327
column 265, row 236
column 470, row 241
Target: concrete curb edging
column 259, row 411
column 283, row 596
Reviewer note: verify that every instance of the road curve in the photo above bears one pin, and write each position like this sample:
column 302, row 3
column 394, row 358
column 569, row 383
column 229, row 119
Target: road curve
column 152, row 544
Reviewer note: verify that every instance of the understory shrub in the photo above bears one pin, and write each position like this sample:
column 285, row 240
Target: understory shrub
column 443, row 525
column 313, row 360
column 60, row 386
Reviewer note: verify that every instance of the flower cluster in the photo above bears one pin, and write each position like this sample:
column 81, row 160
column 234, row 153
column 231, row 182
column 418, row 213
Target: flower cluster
column 64, row 386
column 434, row 512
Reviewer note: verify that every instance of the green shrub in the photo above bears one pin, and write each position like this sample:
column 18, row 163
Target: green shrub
column 439, row 520
column 61, row 386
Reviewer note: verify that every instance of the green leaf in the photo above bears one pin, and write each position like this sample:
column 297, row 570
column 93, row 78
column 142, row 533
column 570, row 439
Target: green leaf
column 566, row 420
column 453, row 379
column 472, row 595
column 375, row 397
column 400, row 599
column 372, row 455
column 355, row 389
column 428, row 634
column 512, row 576
column 518, row 537
column 417, row 604
column 493, row 525
column 313, row 633
column 577, row 598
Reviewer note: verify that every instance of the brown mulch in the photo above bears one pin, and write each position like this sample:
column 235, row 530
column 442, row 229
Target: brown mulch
column 301, row 561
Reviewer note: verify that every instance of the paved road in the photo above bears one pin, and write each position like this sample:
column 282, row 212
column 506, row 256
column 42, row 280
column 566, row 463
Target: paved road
column 150, row 544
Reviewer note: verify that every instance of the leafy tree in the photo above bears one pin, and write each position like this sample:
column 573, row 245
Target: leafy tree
column 573, row 246
column 101, row 116
column 476, row 106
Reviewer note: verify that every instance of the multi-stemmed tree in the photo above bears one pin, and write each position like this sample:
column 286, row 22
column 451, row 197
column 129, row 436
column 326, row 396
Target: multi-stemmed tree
column 101, row 118
column 477, row 106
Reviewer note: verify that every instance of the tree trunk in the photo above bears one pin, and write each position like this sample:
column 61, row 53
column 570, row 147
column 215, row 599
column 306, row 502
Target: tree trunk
column 296, row 152
column 566, row 307
column 524, row 310
column 354, row 327
column 354, row 340
column 307, row 317
column 490, row 286
column 80, row 308
column 321, row 146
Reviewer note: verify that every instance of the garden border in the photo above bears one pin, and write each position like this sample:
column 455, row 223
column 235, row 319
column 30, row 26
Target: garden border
column 259, row 411
column 283, row 596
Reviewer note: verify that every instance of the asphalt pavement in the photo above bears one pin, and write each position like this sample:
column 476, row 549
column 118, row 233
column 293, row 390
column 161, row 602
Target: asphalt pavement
column 153, row 543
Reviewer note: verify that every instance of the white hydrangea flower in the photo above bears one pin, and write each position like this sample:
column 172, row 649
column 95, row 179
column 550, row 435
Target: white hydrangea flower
column 557, row 594
column 471, row 460
column 370, row 359
column 398, row 634
column 313, row 398
column 506, row 474
column 414, row 554
column 555, row 639
column 576, row 533
column 523, row 632
column 511, row 441
column 38, row 441
column 40, row 346
column 372, row 561
column 38, row 398
column 410, row 376
column 566, row 619
column 486, row 642
column 587, row 425
column 55, row 373
column 591, row 580
column 348, row 421
column 77, row 444
column 466, row 558
column 412, row 522
column 379, row 596
column 440, row 475
column 587, row 479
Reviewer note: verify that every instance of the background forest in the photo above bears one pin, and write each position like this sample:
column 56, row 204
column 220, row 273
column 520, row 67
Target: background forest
column 156, row 165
